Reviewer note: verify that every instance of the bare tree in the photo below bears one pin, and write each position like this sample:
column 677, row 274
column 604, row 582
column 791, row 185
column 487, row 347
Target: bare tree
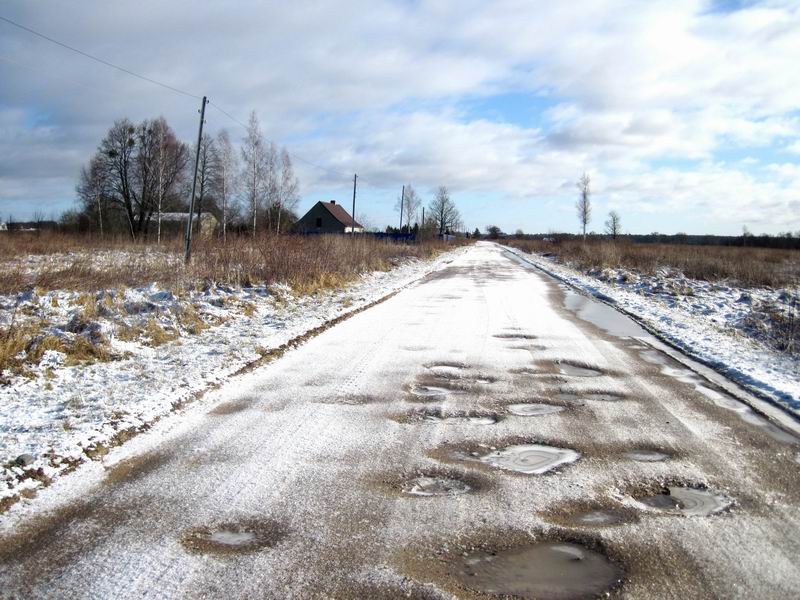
column 411, row 202
column 92, row 190
column 443, row 211
column 206, row 173
column 288, row 189
column 254, row 167
column 613, row 224
column 224, row 183
column 271, row 182
column 583, row 205
column 136, row 166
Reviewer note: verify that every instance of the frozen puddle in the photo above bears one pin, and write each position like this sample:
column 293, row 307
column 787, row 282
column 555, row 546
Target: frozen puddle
column 232, row 538
column 428, row 391
column 531, row 459
column 688, row 501
column 646, row 455
column 435, row 486
column 533, row 409
column 603, row 316
column 601, row 518
column 546, row 571
column 577, row 371
column 447, row 370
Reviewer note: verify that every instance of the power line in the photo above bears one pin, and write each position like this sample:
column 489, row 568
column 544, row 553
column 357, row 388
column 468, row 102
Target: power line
column 159, row 83
column 96, row 59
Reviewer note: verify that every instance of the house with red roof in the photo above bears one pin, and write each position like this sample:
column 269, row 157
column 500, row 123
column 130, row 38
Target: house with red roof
column 327, row 217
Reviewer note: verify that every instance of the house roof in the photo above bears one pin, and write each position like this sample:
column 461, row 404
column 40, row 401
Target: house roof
column 340, row 214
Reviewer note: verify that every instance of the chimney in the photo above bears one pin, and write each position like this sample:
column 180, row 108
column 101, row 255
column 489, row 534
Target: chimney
column 333, row 201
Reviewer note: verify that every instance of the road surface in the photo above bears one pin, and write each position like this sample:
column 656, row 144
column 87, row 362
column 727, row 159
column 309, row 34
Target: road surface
column 377, row 460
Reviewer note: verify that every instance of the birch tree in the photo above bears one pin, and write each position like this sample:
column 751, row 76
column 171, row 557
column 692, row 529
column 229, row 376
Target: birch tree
column 224, row 183
column 408, row 204
column 254, row 167
column 584, row 206
column 206, row 172
column 288, row 194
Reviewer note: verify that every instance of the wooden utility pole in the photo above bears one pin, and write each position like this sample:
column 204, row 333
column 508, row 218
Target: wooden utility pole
column 353, row 216
column 160, row 178
column 188, row 240
column 402, row 202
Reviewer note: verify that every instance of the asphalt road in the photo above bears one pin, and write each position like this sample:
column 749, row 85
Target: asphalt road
column 303, row 481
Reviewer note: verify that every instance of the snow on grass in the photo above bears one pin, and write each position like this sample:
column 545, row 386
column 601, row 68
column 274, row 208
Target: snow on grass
column 719, row 324
column 156, row 349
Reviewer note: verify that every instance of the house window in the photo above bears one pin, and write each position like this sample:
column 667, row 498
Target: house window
column 319, row 221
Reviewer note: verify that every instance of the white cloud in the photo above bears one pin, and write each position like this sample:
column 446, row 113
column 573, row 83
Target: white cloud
column 375, row 86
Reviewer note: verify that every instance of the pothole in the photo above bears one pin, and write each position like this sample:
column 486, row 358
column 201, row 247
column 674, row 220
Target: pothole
column 574, row 370
column 447, row 369
column 646, row 455
column 427, row 391
column 601, row 517
column 525, row 371
column 530, row 459
column 772, row 430
column 427, row 486
column 515, row 336
column 233, row 538
column 687, row 501
column 533, row 409
column 456, row 418
column 590, row 514
column 546, row 571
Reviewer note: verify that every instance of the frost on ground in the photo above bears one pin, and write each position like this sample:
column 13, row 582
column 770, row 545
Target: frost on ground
column 737, row 331
column 92, row 369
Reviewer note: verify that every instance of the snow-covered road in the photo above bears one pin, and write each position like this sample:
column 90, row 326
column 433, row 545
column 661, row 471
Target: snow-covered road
column 392, row 456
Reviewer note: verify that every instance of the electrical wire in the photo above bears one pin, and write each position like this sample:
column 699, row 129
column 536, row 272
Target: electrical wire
column 96, row 59
column 159, row 83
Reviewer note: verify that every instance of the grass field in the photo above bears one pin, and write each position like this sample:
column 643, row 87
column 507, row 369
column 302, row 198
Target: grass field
column 745, row 266
column 55, row 261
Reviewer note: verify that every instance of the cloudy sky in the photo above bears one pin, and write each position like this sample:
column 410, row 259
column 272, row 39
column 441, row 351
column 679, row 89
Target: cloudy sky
column 685, row 113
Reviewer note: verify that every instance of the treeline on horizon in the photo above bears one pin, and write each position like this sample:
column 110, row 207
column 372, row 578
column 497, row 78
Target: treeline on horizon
column 785, row 241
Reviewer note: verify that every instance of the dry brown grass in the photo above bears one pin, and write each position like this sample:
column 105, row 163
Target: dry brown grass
column 23, row 346
column 748, row 267
column 307, row 264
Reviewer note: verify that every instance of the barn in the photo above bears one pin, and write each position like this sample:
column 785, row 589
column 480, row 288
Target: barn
column 327, row 217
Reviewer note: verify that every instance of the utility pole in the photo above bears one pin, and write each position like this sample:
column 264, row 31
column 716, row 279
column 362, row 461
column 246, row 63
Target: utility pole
column 353, row 228
column 186, row 252
column 402, row 202
column 160, row 179
column 422, row 225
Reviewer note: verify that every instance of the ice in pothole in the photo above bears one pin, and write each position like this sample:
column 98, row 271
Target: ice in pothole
column 533, row 409
column 435, row 486
column 547, row 571
column 531, row 459
column 688, row 501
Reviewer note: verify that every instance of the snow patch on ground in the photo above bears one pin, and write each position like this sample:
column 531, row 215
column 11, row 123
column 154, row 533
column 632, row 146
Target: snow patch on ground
column 716, row 323
column 164, row 349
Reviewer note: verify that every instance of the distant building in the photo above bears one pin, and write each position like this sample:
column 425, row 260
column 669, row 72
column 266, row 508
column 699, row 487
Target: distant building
column 208, row 222
column 3, row 226
column 327, row 217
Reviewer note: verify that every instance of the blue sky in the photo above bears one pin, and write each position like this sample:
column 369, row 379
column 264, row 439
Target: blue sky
column 685, row 113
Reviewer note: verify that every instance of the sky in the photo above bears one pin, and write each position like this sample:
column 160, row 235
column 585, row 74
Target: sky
column 685, row 113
